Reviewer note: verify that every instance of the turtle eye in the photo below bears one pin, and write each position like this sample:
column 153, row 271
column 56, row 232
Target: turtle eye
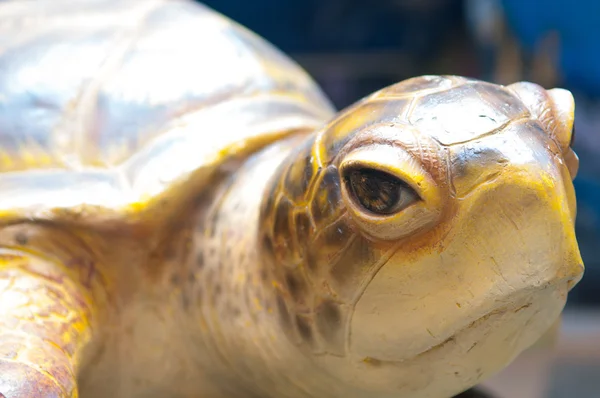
column 379, row 192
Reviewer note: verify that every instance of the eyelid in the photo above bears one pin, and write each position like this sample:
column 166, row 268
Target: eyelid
column 395, row 161
column 399, row 163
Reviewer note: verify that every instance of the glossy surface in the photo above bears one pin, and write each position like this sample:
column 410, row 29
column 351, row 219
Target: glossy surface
column 177, row 219
column 108, row 104
column 454, row 286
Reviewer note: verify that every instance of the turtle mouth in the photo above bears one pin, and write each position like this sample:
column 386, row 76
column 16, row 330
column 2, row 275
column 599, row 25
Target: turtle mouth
column 525, row 302
column 453, row 336
column 472, row 325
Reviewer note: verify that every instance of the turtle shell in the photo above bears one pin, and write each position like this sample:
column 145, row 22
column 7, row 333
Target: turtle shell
column 107, row 107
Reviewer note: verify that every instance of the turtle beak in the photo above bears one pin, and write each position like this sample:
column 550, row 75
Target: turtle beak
column 573, row 269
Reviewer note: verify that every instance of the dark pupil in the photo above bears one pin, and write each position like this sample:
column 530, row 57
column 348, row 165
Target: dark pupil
column 377, row 191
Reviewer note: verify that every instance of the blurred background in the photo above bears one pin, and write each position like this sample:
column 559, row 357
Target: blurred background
column 354, row 47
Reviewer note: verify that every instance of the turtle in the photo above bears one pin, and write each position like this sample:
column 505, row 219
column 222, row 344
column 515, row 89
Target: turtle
column 185, row 214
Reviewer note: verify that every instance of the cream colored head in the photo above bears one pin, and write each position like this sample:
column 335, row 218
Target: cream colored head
column 426, row 236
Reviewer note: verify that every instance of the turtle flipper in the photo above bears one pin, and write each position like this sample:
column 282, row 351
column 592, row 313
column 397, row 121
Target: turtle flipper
column 45, row 320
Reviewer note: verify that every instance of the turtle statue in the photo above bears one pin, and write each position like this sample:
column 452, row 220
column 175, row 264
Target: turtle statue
column 184, row 214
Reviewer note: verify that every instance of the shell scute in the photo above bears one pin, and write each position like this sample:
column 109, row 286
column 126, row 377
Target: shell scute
column 123, row 89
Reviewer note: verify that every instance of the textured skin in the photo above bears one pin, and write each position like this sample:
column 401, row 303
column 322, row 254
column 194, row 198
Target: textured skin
column 177, row 219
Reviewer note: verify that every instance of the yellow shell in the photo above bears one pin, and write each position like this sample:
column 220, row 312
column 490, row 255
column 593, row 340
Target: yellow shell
column 110, row 108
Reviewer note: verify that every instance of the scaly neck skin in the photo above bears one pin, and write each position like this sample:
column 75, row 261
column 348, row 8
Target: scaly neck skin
column 244, row 343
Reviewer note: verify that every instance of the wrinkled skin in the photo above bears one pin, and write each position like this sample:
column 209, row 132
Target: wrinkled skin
column 409, row 246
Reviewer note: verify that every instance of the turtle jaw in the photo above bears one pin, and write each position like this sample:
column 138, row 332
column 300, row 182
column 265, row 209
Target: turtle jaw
column 518, row 305
column 443, row 353
column 466, row 355
column 387, row 334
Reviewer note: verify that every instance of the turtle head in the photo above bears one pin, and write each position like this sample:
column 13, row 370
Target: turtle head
column 434, row 237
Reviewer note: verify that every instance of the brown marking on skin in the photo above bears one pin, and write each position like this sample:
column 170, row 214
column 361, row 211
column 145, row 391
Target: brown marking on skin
column 327, row 198
column 329, row 315
column 299, row 174
column 217, row 289
column 281, row 222
column 328, row 320
column 170, row 253
column 323, row 252
column 296, row 285
column 86, row 268
column 200, row 260
column 312, row 261
column 304, row 329
column 284, row 314
column 264, row 275
column 191, row 277
column 269, row 203
column 264, row 301
column 234, row 310
column 212, row 252
column 346, row 272
column 267, row 244
column 212, row 225
column 185, row 300
column 199, row 294
column 21, row 238
column 89, row 270
column 302, row 226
